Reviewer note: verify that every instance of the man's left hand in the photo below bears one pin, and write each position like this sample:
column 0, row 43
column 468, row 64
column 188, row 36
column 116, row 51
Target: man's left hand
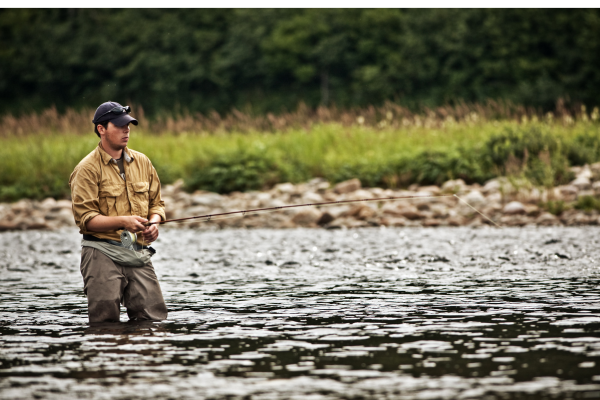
column 150, row 234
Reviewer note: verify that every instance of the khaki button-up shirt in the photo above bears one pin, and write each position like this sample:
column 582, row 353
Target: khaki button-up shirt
column 97, row 188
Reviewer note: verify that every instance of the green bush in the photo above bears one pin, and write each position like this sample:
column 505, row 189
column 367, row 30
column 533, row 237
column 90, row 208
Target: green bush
column 585, row 148
column 532, row 151
column 238, row 171
column 556, row 207
column 587, row 203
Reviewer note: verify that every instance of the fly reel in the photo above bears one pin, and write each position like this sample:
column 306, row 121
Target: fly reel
column 128, row 239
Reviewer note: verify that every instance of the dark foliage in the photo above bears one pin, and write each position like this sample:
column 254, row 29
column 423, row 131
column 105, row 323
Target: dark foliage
column 271, row 59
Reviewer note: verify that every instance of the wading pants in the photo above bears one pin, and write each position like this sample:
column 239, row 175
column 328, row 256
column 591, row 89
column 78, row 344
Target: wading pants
column 108, row 284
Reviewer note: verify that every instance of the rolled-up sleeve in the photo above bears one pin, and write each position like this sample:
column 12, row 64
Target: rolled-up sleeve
column 157, row 205
column 84, row 194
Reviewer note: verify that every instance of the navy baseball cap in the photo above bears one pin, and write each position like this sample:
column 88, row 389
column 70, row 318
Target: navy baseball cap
column 113, row 112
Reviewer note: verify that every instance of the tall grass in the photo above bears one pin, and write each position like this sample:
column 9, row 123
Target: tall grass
column 387, row 116
column 37, row 165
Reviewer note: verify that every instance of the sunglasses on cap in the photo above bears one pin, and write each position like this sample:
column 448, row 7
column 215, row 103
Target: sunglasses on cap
column 116, row 110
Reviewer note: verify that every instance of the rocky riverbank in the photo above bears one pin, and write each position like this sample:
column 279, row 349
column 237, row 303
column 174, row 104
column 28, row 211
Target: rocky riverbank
column 508, row 202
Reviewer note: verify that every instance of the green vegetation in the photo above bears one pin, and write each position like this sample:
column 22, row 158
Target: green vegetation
column 39, row 165
column 198, row 60
column 587, row 203
column 556, row 207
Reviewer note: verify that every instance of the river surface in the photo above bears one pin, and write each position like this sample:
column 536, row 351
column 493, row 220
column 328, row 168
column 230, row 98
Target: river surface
column 418, row 313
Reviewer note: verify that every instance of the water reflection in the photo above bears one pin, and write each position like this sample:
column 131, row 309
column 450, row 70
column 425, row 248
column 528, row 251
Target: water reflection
column 414, row 313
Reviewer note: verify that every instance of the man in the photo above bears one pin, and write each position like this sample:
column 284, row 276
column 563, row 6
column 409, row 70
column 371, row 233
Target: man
column 115, row 188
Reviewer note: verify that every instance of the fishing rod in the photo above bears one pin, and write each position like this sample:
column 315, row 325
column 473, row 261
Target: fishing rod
column 209, row 217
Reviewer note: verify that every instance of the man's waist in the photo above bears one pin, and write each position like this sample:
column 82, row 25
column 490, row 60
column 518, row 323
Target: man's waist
column 93, row 238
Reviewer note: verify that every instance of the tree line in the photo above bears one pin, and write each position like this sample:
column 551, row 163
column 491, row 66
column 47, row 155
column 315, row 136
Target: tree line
column 270, row 60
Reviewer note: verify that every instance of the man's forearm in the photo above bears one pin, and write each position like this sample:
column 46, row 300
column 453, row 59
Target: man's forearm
column 155, row 218
column 102, row 223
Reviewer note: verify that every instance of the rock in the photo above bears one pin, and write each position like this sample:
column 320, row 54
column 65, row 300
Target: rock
column 579, row 218
column 326, row 218
column 207, row 199
column 492, row 186
column 432, row 222
column 514, row 220
column 568, row 192
column 439, row 210
column 319, row 184
column 474, row 198
column 359, row 195
column 493, row 198
column 456, row 220
column 347, row 186
column 312, row 197
column 532, row 210
column 36, row 223
column 430, row 190
column 285, row 188
column 362, row 211
column 63, row 204
column 585, row 172
column 454, row 186
column 8, row 225
column 596, row 187
column 409, row 212
column 513, row 208
column 582, row 182
column 307, row 217
column 347, row 223
column 547, row 219
column 48, row 203
column 394, row 221
column 584, row 193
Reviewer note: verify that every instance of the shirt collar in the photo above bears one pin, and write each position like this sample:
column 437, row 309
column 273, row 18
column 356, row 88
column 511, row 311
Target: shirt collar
column 106, row 158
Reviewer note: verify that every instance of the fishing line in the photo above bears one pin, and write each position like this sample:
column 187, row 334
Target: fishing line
column 482, row 214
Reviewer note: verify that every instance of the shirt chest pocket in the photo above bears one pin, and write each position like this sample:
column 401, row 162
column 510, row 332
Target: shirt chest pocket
column 107, row 197
column 140, row 198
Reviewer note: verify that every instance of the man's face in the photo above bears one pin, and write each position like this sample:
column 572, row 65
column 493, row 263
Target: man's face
column 115, row 136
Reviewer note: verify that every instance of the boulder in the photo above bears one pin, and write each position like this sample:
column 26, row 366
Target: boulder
column 547, row 219
column 347, row 186
column 312, row 197
column 514, row 208
column 474, row 198
column 363, row 212
column 568, row 192
column 582, row 182
column 326, row 218
column 454, row 186
column 394, row 221
column 430, row 190
column 207, row 199
column 492, row 186
column 409, row 212
column 307, row 217
column 285, row 188
column 514, row 220
column 359, row 194
column 456, row 220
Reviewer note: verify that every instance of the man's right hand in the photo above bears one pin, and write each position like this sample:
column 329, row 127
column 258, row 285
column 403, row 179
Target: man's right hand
column 134, row 223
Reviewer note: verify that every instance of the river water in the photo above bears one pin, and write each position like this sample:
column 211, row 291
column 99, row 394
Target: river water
column 419, row 313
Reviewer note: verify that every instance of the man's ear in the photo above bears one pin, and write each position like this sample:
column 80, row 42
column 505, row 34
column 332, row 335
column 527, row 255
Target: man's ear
column 101, row 129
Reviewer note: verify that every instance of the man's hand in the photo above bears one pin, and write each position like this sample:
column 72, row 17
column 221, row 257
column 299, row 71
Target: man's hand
column 150, row 233
column 134, row 223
